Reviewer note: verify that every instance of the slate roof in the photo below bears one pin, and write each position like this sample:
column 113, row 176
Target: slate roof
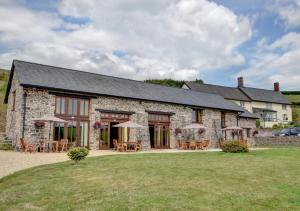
column 226, row 92
column 264, row 95
column 240, row 93
column 50, row 77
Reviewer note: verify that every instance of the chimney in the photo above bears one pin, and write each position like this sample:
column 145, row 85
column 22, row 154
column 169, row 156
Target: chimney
column 240, row 82
column 276, row 87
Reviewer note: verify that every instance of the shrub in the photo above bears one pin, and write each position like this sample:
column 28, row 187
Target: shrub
column 5, row 146
column 257, row 123
column 78, row 153
column 234, row 146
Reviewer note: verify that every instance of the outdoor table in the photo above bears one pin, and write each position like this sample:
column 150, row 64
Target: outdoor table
column 51, row 142
column 131, row 146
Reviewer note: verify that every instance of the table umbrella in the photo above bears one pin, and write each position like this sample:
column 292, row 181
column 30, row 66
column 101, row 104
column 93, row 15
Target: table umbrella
column 129, row 124
column 49, row 119
column 233, row 128
column 194, row 126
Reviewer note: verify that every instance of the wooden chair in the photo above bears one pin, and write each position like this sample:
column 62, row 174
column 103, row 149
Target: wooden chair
column 178, row 144
column 205, row 144
column 193, row 145
column 115, row 142
column 138, row 146
column 121, row 147
column 184, row 145
column 199, row 145
column 221, row 143
column 42, row 146
column 244, row 142
column 63, row 145
column 27, row 146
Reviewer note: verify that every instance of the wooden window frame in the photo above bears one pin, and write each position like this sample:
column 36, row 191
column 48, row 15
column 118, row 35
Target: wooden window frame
column 199, row 113
column 223, row 119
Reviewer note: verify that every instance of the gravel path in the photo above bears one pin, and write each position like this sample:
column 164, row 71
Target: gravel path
column 11, row 162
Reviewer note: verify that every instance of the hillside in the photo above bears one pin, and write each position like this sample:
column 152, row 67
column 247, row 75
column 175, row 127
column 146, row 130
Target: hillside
column 294, row 98
column 169, row 82
column 4, row 74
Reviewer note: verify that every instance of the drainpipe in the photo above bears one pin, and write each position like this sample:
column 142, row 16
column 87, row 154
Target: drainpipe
column 24, row 113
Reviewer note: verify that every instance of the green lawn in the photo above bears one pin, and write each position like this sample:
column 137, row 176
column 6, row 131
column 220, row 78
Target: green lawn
column 260, row 180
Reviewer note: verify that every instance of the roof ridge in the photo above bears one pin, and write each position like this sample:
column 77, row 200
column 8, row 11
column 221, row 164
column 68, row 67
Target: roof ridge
column 151, row 84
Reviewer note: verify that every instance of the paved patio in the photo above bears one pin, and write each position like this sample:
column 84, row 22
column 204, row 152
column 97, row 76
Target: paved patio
column 11, row 162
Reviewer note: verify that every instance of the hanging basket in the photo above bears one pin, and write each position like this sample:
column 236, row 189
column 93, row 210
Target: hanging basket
column 97, row 125
column 39, row 124
column 178, row 131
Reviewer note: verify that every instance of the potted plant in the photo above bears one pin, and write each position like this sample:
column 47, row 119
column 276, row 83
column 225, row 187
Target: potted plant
column 97, row 125
column 39, row 124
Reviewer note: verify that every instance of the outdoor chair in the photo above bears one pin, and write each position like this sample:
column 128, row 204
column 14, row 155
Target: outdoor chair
column 199, row 145
column 27, row 146
column 184, row 145
column 138, row 146
column 121, row 147
column 244, row 142
column 221, row 143
column 178, row 144
column 205, row 144
column 115, row 142
column 63, row 145
column 193, row 145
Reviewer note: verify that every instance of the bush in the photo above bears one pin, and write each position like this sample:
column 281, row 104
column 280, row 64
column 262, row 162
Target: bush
column 257, row 123
column 234, row 146
column 6, row 146
column 78, row 153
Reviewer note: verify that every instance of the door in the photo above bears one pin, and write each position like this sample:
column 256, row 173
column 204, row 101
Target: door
column 104, row 136
column 83, row 134
column 161, row 136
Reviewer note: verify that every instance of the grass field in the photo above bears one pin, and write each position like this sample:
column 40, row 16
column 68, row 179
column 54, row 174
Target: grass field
column 295, row 108
column 293, row 98
column 259, row 180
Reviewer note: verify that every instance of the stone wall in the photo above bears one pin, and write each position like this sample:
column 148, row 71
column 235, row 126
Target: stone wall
column 14, row 117
column 40, row 103
column 179, row 119
column 248, row 123
column 277, row 141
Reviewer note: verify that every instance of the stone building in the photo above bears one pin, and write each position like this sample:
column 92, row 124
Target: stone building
column 270, row 106
column 92, row 104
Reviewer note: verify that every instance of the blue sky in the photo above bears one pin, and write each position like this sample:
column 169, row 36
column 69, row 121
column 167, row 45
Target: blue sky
column 216, row 41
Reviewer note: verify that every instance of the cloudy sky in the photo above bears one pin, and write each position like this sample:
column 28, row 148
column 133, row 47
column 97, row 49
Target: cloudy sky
column 181, row 39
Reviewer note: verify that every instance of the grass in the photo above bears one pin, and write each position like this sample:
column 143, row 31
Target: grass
column 295, row 98
column 259, row 180
column 4, row 74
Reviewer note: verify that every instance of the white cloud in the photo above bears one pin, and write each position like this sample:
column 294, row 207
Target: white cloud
column 289, row 12
column 277, row 61
column 161, row 39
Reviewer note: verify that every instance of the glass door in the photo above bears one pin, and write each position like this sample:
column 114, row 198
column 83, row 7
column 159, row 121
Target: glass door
column 83, row 134
column 161, row 136
column 104, row 136
column 72, row 130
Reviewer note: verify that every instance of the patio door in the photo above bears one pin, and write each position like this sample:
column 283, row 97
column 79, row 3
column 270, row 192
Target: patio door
column 161, row 136
column 83, row 134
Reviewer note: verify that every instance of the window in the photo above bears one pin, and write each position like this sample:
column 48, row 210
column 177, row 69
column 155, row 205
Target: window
column 248, row 132
column 84, row 107
column 197, row 116
column 284, row 117
column 60, row 105
column 59, row 131
column 242, row 103
column 72, row 108
column 14, row 101
column 269, row 105
column 223, row 114
column 158, row 118
column 270, row 117
column 283, row 107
